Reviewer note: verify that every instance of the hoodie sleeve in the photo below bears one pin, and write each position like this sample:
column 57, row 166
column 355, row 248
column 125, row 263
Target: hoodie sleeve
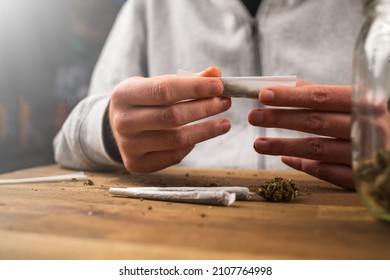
column 79, row 144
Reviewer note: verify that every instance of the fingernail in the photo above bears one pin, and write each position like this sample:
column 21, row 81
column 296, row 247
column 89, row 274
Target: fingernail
column 226, row 103
column 267, row 95
column 216, row 87
column 225, row 126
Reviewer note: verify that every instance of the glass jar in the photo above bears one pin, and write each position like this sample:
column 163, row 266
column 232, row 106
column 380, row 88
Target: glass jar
column 370, row 110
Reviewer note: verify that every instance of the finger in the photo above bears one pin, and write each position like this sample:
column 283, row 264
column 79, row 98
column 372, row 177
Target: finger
column 301, row 83
column 164, row 117
column 172, row 139
column 317, row 97
column 323, row 149
column 321, row 123
column 212, row 71
column 155, row 161
column 338, row 174
column 165, row 90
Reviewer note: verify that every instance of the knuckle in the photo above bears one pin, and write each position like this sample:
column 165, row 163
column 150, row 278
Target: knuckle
column 320, row 171
column 116, row 94
column 179, row 139
column 161, row 90
column 200, row 89
column 314, row 122
column 125, row 125
column 121, row 92
column 134, row 165
column 317, row 169
column 316, row 148
column 118, row 122
column 209, row 107
column 171, row 116
column 318, row 96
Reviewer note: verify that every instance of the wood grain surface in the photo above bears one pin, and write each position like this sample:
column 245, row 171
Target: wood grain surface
column 71, row 220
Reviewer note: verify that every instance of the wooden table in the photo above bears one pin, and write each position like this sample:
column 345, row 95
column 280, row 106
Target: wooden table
column 69, row 220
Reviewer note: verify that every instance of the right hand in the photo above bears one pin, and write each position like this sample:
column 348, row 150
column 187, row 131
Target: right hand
column 149, row 117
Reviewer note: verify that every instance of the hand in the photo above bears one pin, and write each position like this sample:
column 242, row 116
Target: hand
column 323, row 110
column 150, row 118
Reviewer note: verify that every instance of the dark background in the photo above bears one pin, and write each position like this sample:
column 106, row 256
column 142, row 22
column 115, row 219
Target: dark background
column 48, row 49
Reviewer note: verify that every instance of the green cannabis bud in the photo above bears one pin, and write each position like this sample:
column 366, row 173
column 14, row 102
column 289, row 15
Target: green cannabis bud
column 278, row 189
column 374, row 174
column 369, row 169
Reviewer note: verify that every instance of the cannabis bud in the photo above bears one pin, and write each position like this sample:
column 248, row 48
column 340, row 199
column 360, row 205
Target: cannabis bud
column 89, row 183
column 374, row 176
column 369, row 169
column 278, row 189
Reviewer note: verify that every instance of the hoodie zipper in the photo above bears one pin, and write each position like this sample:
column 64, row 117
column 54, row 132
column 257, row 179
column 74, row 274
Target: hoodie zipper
column 258, row 72
column 256, row 46
column 257, row 67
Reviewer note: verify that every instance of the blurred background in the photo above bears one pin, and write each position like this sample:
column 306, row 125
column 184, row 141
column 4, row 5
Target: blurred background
column 48, row 50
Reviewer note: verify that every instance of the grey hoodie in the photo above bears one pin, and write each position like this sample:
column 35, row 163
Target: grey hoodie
column 312, row 39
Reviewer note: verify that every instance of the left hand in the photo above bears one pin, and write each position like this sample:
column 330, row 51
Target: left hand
column 318, row 109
